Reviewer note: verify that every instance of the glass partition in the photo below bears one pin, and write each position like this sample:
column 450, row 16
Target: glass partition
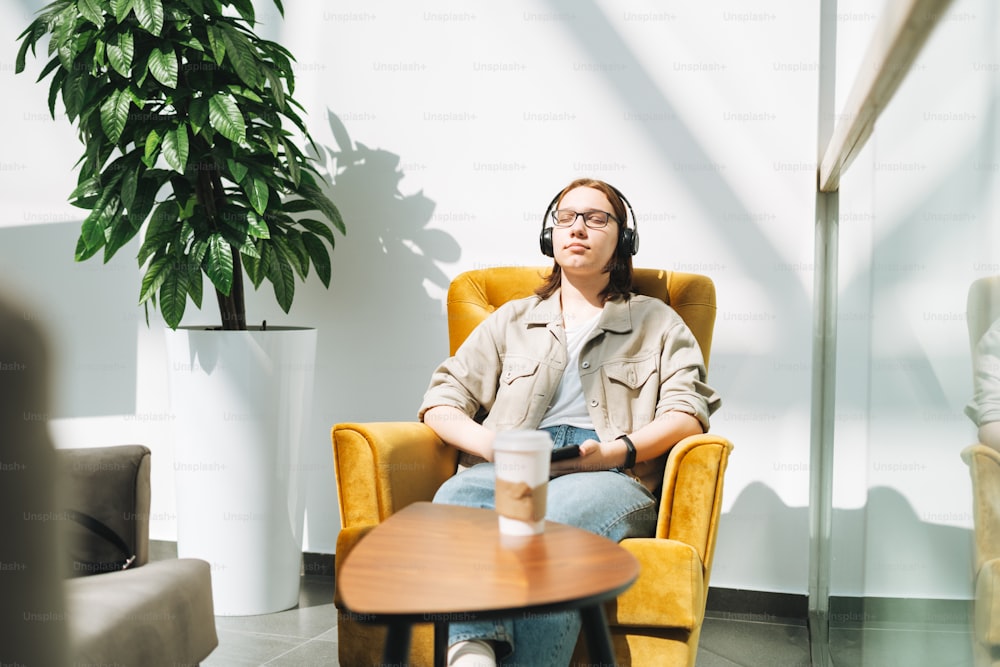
column 918, row 364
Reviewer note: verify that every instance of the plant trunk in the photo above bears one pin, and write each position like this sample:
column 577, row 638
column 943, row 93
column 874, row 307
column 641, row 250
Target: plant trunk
column 233, row 307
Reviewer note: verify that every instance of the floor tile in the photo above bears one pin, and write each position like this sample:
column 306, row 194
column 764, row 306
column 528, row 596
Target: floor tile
column 727, row 643
column 248, row 649
column 308, row 654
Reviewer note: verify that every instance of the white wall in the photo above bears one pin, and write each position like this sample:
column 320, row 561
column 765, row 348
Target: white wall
column 449, row 126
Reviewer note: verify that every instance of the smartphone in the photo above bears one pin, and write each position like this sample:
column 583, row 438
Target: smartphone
column 563, row 453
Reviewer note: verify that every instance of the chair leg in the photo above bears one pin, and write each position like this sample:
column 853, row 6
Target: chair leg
column 397, row 644
column 440, row 643
column 595, row 625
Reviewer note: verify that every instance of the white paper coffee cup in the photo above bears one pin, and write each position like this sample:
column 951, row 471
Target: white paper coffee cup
column 521, row 461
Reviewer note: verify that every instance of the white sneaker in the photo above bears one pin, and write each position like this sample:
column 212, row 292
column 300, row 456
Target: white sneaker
column 472, row 653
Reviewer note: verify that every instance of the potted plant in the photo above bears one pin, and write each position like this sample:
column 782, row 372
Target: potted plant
column 184, row 115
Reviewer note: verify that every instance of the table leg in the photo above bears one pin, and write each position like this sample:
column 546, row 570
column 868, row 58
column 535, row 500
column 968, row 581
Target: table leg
column 440, row 643
column 397, row 644
column 595, row 628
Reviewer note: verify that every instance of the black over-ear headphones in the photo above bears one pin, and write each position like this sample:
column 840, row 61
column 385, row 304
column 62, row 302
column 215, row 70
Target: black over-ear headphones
column 627, row 238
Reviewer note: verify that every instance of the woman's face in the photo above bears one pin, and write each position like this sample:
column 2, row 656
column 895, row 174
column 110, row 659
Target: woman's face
column 579, row 248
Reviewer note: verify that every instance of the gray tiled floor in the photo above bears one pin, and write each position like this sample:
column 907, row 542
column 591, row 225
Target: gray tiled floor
column 307, row 635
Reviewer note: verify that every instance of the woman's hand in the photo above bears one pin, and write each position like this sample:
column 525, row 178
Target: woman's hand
column 594, row 456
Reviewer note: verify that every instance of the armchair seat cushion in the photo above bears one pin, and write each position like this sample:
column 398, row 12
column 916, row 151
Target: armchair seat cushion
column 670, row 591
column 157, row 614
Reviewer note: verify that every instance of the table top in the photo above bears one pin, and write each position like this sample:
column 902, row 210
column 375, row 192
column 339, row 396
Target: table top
column 432, row 559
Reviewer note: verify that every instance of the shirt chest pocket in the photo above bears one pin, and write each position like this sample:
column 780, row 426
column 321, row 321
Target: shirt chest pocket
column 517, row 369
column 516, row 391
column 630, row 375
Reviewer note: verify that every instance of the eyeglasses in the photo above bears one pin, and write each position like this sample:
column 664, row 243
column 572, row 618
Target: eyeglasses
column 565, row 217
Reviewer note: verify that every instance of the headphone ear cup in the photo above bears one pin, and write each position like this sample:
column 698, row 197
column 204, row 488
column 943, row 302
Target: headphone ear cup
column 545, row 242
column 629, row 240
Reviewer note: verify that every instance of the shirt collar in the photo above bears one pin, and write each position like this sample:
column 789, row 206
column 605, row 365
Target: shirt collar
column 616, row 316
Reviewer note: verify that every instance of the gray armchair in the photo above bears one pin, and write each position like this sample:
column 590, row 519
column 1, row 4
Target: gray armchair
column 151, row 613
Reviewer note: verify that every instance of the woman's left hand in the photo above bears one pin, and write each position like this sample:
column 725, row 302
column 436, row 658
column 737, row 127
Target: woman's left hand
column 594, row 456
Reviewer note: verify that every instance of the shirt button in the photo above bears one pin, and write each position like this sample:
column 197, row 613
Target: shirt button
column 593, row 402
column 585, row 365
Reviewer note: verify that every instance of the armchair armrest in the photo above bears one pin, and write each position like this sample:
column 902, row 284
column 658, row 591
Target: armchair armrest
column 671, row 589
column 691, row 499
column 111, row 486
column 382, row 467
column 984, row 469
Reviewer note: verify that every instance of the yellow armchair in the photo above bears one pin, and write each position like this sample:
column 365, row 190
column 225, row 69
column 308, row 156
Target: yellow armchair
column 383, row 467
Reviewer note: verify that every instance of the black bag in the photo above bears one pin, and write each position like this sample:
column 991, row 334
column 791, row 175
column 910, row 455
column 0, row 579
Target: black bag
column 101, row 529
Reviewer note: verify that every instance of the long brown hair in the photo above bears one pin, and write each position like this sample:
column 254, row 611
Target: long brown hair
column 620, row 266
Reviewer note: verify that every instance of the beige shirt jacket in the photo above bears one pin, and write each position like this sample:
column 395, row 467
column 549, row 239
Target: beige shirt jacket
column 639, row 363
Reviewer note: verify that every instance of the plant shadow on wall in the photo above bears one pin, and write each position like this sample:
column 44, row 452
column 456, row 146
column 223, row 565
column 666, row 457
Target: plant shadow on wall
column 388, row 324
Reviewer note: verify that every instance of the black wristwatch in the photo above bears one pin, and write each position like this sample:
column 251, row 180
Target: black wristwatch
column 630, row 455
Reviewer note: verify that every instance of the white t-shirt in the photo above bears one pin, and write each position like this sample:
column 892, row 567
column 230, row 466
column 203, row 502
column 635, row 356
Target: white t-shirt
column 568, row 406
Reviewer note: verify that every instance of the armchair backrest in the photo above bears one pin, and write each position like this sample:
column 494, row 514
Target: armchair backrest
column 473, row 295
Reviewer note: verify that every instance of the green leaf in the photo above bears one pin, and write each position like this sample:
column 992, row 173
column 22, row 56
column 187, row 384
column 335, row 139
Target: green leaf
column 29, row 37
column 242, row 55
column 224, row 115
column 163, row 67
column 114, row 115
column 121, row 8
column 323, row 204
column 121, row 50
column 92, row 229
column 173, row 298
column 149, row 150
column 253, row 264
column 91, row 10
column 319, row 255
column 161, row 230
column 216, row 42
column 150, row 15
column 86, row 188
column 219, row 263
column 237, row 169
column 83, row 252
column 155, row 274
column 293, row 165
column 279, row 272
column 258, row 228
column 198, row 114
column 142, row 204
column 194, row 283
column 293, row 249
column 245, row 8
column 74, row 93
column 175, row 148
column 130, row 183
column 118, row 234
column 277, row 87
column 257, row 191
column 317, row 227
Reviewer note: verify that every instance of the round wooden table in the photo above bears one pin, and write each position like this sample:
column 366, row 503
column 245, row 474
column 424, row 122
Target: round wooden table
column 431, row 563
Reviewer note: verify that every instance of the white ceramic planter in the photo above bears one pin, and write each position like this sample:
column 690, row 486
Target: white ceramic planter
column 241, row 401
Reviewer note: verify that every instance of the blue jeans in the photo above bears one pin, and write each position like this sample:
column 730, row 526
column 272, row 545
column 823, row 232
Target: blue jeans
column 605, row 502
